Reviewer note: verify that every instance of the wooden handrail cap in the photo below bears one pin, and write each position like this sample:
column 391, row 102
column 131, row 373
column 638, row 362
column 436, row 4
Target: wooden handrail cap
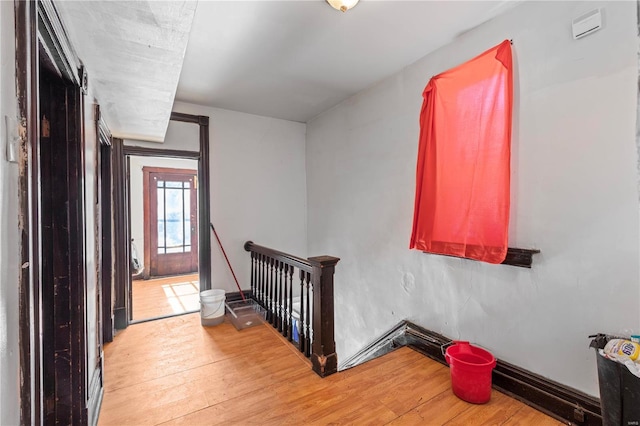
column 323, row 261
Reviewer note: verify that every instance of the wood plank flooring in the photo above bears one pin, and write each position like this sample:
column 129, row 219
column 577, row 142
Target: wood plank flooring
column 175, row 372
column 165, row 296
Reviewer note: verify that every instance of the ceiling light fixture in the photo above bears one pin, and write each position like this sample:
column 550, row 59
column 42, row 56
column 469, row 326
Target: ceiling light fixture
column 342, row 5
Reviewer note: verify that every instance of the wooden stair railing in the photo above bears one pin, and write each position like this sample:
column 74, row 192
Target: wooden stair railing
column 302, row 311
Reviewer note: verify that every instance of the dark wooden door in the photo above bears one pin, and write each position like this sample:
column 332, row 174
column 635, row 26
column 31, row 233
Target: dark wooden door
column 171, row 228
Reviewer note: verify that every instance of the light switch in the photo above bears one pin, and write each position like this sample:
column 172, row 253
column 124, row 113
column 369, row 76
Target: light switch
column 11, row 139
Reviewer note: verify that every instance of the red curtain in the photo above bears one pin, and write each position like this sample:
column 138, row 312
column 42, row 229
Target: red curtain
column 462, row 178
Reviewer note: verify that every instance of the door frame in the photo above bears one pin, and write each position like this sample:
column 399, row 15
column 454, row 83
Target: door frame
column 40, row 35
column 63, row 255
column 105, row 194
column 122, row 237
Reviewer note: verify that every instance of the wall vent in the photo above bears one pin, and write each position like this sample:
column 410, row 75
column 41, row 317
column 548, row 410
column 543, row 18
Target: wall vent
column 586, row 24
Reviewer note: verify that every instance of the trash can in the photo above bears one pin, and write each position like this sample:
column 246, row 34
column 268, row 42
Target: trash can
column 619, row 388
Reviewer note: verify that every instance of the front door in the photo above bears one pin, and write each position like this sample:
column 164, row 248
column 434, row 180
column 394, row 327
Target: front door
column 171, row 234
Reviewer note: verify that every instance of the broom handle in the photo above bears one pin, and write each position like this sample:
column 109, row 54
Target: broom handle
column 227, row 259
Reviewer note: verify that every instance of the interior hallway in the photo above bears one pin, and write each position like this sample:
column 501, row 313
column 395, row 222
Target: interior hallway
column 165, row 296
column 173, row 371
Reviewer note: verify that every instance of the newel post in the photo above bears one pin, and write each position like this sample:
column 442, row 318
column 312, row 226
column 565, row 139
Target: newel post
column 323, row 357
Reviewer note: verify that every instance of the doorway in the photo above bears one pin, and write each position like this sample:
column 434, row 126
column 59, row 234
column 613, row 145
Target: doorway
column 163, row 206
column 62, row 257
column 60, row 339
column 124, row 152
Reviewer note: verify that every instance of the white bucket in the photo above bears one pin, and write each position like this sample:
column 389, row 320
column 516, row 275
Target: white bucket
column 212, row 307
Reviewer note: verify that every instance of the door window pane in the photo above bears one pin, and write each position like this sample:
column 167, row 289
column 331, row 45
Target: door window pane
column 174, row 221
column 175, row 217
column 187, row 219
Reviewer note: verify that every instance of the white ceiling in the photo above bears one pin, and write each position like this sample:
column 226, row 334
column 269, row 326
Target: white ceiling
column 296, row 59
column 285, row 59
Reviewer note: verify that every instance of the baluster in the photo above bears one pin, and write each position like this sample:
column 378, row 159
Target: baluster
column 276, row 292
column 261, row 271
column 307, row 320
column 301, row 339
column 285, row 310
column 262, row 301
column 264, row 281
column 280, row 301
column 272, row 299
column 290, row 301
column 310, row 314
column 253, row 274
column 257, row 296
column 266, row 287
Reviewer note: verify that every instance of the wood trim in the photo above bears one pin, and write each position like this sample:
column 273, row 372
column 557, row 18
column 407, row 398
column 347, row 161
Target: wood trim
column 146, row 233
column 122, row 253
column 54, row 36
column 234, row 296
column 127, row 232
column 388, row 342
column 106, row 203
column 550, row 397
column 95, row 393
column 323, row 356
column 559, row 401
column 143, row 320
column 204, row 194
column 169, row 170
column 34, row 22
column 522, row 258
column 77, row 260
column 188, row 118
column 104, row 134
column 27, row 94
column 425, row 341
column 38, row 25
column 63, row 251
column 155, row 152
column 298, row 262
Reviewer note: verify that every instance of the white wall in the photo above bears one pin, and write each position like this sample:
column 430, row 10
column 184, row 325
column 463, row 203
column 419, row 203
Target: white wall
column 574, row 197
column 9, row 243
column 137, row 192
column 258, row 188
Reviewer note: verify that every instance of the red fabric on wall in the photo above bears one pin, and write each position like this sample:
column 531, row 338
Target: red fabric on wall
column 462, row 178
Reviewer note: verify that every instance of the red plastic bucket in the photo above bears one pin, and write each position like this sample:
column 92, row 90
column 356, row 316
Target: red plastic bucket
column 471, row 368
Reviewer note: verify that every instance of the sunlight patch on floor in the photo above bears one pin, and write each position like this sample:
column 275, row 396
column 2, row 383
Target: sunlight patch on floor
column 165, row 296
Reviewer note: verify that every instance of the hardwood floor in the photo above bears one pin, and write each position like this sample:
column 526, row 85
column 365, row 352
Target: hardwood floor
column 165, row 296
column 173, row 371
